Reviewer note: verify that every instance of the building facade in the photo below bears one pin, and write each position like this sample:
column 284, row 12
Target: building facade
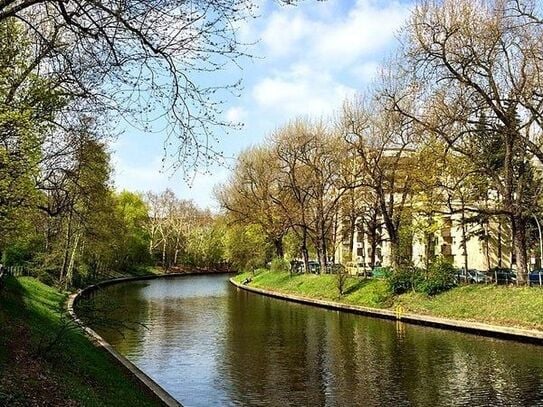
column 477, row 245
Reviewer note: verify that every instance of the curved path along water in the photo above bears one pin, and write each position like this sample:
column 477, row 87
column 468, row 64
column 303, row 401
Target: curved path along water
column 210, row 344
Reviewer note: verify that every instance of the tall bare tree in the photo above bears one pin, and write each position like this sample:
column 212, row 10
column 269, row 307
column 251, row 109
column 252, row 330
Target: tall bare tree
column 151, row 63
column 313, row 166
column 253, row 195
column 471, row 71
column 385, row 144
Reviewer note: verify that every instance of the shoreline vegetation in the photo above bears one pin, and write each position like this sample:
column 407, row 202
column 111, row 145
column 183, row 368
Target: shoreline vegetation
column 518, row 307
column 45, row 359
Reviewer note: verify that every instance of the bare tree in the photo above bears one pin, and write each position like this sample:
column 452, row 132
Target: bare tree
column 471, row 70
column 151, row 63
column 253, row 195
column 385, row 144
column 315, row 173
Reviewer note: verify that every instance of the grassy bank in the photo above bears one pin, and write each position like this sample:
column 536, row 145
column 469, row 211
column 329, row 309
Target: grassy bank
column 520, row 307
column 40, row 367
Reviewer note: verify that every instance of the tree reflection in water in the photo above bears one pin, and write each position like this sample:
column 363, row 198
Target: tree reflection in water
column 212, row 344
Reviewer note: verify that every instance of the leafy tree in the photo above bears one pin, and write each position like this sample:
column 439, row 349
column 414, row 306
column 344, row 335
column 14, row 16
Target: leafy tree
column 132, row 213
column 138, row 60
column 246, row 247
column 26, row 104
column 385, row 146
column 314, row 173
column 205, row 246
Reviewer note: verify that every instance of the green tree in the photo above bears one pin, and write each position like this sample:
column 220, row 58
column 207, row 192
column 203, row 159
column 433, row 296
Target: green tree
column 133, row 215
column 246, row 247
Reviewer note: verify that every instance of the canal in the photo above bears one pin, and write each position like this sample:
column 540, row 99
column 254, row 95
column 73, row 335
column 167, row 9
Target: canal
column 210, row 344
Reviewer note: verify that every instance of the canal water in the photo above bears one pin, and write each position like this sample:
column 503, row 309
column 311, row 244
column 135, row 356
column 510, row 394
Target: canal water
column 210, row 344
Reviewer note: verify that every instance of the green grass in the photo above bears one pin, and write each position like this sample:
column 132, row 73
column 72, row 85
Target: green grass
column 73, row 372
column 520, row 307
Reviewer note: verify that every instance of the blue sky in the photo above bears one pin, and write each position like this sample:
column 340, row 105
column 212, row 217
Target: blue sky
column 309, row 58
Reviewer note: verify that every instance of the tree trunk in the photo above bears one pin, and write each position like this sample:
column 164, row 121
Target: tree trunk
column 164, row 254
column 464, row 237
column 305, row 252
column 395, row 255
column 63, row 268
column 373, row 253
column 352, row 226
column 393, row 235
column 500, row 243
column 278, row 244
column 70, row 272
column 323, row 255
column 429, row 249
column 519, row 243
column 373, row 241
column 322, row 258
column 487, row 245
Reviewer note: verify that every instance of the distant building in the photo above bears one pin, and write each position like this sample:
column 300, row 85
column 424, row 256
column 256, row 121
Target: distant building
column 487, row 244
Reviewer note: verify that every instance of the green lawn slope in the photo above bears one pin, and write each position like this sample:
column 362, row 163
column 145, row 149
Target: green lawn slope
column 40, row 365
column 520, row 307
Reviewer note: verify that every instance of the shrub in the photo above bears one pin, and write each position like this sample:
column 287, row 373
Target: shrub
column 279, row 265
column 405, row 278
column 341, row 278
column 439, row 278
column 18, row 254
column 380, row 272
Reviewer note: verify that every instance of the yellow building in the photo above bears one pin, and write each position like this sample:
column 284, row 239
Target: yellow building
column 487, row 244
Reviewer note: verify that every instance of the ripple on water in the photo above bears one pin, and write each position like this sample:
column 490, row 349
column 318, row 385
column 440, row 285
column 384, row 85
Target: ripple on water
column 210, row 344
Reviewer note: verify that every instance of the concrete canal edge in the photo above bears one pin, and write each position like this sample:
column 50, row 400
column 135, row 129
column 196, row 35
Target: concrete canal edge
column 149, row 384
column 522, row 335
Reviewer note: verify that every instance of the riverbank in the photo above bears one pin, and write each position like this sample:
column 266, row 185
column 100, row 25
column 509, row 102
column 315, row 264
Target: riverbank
column 46, row 360
column 514, row 307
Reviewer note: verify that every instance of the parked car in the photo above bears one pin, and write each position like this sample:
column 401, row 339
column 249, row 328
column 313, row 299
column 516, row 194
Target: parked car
column 503, row 275
column 335, row 268
column 535, row 277
column 296, row 266
column 471, row 276
column 478, row 276
column 314, row 267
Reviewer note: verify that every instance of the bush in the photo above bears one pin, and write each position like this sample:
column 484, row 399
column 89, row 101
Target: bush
column 404, row 279
column 18, row 254
column 279, row 265
column 439, row 278
column 341, row 278
column 381, row 272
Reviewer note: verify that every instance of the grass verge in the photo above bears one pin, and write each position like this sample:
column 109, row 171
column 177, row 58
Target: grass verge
column 520, row 307
column 40, row 367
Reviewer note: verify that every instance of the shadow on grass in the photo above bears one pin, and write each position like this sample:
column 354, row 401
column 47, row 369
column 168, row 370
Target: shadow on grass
column 356, row 286
column 49, row 361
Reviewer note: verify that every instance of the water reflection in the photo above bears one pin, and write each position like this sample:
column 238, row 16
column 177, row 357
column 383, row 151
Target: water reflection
column 211, row 344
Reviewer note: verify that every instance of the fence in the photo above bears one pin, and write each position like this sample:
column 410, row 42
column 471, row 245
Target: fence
column 16, row 271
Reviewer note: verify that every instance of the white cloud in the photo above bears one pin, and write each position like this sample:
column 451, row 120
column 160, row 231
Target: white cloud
column 148, row 175
column 300, row 91
column 311, row 57
column 236, row 114
column 338, row 39
column 140, row 176
column 366, row 71
column 284, row 32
